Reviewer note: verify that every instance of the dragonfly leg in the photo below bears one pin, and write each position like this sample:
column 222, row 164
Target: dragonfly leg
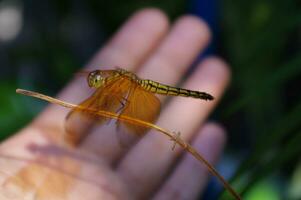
column 123, row 103
column 124, row 100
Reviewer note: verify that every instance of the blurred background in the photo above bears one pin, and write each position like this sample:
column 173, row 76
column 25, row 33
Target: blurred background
column 42, row 44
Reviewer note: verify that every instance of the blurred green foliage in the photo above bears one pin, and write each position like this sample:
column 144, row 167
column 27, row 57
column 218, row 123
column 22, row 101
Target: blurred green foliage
column 262, row 43
column 260, row 39
column 262, row 191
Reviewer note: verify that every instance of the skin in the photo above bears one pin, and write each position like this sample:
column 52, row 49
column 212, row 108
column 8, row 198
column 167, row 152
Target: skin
column 150, row 46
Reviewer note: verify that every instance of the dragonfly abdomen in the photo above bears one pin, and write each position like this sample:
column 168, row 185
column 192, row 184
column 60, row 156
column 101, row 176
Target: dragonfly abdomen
column 159, row 88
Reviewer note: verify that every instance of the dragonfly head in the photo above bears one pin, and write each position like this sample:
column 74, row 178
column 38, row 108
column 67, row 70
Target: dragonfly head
column 95, row 79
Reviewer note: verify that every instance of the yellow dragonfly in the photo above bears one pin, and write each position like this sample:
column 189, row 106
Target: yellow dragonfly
column 123, row 92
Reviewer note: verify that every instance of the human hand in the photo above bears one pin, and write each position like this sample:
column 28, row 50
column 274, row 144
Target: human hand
column 147, row 46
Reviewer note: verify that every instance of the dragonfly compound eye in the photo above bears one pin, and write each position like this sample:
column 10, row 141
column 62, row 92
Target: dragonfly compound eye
column 94, row 79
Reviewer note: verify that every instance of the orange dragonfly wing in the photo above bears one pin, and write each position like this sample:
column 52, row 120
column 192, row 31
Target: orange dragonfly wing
column 141, row 105
column 108, row 98
column 122, row 96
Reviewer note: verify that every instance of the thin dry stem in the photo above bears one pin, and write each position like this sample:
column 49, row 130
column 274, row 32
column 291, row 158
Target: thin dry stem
column 172, row 136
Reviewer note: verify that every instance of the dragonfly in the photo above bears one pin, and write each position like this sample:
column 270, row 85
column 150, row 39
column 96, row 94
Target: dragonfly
column 124, row 93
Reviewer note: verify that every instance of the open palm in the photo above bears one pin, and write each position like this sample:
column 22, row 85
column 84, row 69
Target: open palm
column 98, row 168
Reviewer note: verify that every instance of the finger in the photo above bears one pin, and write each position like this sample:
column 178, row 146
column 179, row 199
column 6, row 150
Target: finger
column 177, row 51
column 149, row 160
column 129, row 47
column 188, row 37
column 190, row 177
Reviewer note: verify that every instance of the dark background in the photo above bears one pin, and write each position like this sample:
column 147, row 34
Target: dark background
column 43, row 43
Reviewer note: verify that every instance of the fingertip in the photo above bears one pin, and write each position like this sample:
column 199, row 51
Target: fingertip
column 210, row 141
column 212, row 75
column 215, row 133
column 217, row 67
column 151, row 18
column 195, row 26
